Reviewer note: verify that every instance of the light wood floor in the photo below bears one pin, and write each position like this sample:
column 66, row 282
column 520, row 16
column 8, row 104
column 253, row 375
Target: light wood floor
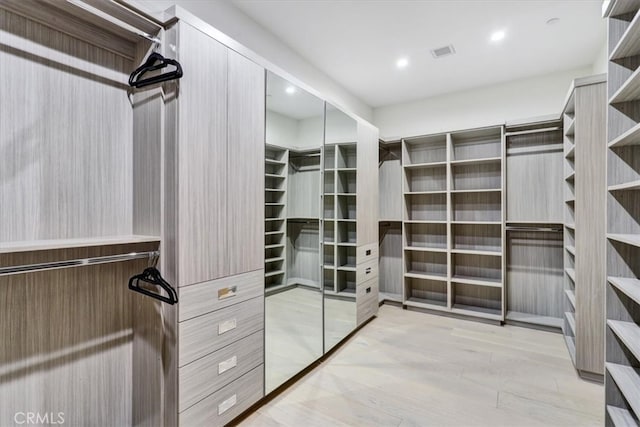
column 414, row 369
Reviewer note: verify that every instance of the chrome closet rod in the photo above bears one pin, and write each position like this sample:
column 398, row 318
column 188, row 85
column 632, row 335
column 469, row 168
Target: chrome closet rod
column 29, row 268
column 532, row 131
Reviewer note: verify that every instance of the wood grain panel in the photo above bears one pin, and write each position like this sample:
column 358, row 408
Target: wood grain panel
column 66, row 170
column 206, row 297
column 367, row 177
column 245, row 391
column 535, row 273
column 245, row 186
column 590, row 136
column 211, row 332
column 68, row 338
column 202, row 159
column 390, row 261
column 534, row 177
column 390, row 185
column 366, row 300
column 205, row 376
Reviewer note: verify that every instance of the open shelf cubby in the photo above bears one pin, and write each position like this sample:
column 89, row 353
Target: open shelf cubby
column 426, row 292
column 478, row 237
column 426, row 236
column 426, row 207
column 476, row 206
column 426, row 179
column 476, row 144
column 420, row 263
column 425, row 150
column 481, row 300
column 477, row 176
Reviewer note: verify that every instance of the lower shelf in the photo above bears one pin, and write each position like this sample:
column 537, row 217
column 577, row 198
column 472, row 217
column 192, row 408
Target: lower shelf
column 571, row 346
column 472, row 310
column 534, row 319
column 628, row 382
column 621, row 417
column 426, row 303
column 388, row 296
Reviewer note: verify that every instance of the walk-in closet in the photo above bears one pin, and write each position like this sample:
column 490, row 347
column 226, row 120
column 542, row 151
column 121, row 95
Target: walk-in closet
column 286, row 213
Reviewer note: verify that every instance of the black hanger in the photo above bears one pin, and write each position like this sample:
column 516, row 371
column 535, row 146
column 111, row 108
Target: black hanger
column 152, row 275
column 155, row 61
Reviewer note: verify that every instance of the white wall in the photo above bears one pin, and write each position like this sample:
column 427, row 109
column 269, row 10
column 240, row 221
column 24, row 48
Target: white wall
column 225, row 17
column 486, row 106
column 281, row 130
column 601, row 63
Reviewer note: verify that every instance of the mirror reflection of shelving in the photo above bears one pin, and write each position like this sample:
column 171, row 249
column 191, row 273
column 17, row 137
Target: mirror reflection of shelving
column 276, row 168
column 452, row 228
column 339, row 266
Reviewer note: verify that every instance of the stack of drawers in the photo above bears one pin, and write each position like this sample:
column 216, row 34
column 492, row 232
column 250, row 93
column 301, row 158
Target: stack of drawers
column 366, row 282
column 221, row 348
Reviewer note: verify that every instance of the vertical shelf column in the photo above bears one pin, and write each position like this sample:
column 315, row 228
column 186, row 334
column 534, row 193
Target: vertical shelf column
column 622, row 379
column 276, row 165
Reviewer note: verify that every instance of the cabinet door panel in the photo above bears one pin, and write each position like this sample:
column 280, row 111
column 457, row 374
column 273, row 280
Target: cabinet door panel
column 367, row 208
column 245, row 197
column 202, row 158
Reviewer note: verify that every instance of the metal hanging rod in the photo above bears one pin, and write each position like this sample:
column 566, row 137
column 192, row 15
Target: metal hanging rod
column 528, row 132
column 29, row 268
column 124, row 25
column 543, row 229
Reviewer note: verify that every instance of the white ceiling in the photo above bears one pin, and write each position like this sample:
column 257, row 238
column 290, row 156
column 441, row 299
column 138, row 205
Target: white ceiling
column 357, row 42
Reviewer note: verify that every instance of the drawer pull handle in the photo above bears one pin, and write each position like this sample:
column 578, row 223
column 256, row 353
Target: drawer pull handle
column 227, row 292
column 227, row 404
column 367, row 270
column 369, row 290
column 224, row 366
column 368, row 252
column 227, row 326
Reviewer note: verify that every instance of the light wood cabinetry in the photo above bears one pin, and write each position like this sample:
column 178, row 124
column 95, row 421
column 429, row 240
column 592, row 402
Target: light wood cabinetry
column 622, row 381
column 584, row 228
column 215, row 146
column 452, row 230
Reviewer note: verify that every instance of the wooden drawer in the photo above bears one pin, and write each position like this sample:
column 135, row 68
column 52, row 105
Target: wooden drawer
column 365, row 253
column 366, row 271
column 227, row 403
column 366, row 300
column 206, row 334
column 196, row 300
column 201, row 378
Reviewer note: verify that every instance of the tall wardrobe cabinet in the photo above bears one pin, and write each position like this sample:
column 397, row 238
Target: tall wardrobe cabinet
column 214, row 228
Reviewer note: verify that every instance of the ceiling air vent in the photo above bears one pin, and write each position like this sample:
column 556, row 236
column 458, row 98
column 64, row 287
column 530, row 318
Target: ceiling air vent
column 443, row 51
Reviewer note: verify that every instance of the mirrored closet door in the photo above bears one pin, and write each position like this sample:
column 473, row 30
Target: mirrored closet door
column 293, row 212
column 339, row 225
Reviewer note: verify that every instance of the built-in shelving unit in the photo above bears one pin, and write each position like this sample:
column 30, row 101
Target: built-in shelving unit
column 622, row 378
column 276, row 169
column 452, row 231
column 339, row 228
column 569, row 305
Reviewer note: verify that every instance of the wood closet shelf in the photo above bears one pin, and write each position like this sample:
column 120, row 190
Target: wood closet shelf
column 571, row 129
column 534, row 319
column 483, row 312
column 425, row 276
column 628, row 286
column 571, row 320
column 629, row 239
column 621, row 417
column 425, row 165
column 571, row 347
column 476, row 252
column 628, row 138
column 629, row 91
column 425, row 249
column 480, row 190
column 629, row 43
column 426, row 304
column 53, row 244
column 477, row 281
column 633, row 185
column 476, row 161
column 571, row 296
column 628, row 382
column 571, row 152
column 571, row 249
column 628, row 333
column 571, row 273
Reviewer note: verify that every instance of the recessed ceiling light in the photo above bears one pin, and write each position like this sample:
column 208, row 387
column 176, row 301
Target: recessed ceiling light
column 290, row 90
column 402, row 63
column 553, row 21
column 497, row 36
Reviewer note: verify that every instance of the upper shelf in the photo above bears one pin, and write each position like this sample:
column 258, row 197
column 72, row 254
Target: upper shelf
column 629, row 43
column 629, row 91
column 47, row 245
column 630, row 137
